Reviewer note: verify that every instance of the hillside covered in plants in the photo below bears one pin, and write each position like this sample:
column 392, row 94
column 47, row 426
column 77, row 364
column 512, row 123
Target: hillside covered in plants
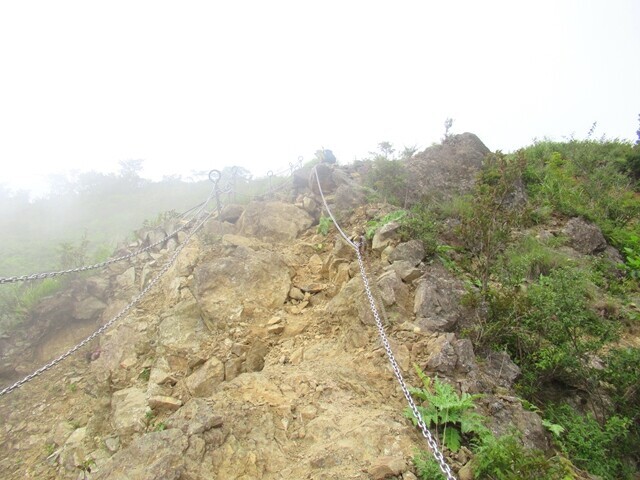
column 508, row 286
column 547, row 242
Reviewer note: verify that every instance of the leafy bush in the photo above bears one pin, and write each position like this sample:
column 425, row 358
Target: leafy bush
column 427, row 467
column 388, row 179
column 450, row 414
column 585, row 178
column 505, row 458
column 527, row 260
column 564, row 331
column 421, row 223
column 323, row 225
column 487, row 218
column 622, row 377
column 598, row 448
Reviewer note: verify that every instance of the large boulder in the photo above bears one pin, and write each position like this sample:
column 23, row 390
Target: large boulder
column 89, row 308
column 444, row 170
column 323, row 173
column 437, row 300
column 274, row 221
column 243, row 281
column 384, row 236
column 585, row 237
column 411, row 251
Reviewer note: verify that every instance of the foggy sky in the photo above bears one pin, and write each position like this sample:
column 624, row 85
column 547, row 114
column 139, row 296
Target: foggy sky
column 200, row 85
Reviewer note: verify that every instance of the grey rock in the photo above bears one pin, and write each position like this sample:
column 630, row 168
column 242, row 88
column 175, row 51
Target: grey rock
column 437, row 300
column 232, row 368
column 97, row 287
column 466, row 356
column 585, row 237
column 406, row 271
column 392, row 289
column 127, row 279
column 89, row 308
column 181, row 328
column 443, row 170
column 255, row 357
column 296, row 294
column 324, row 173
column 443, row 357
column 613, row 255
column 152, row 236
column 309, row 205
column 351, row 302
column 501, row 369
column 164, row 402
column 384, row 236
column 411, row 251
column 508, row 412
column 387, row 467
column 217, row 229
column 347, row 198
column 225, row 287
column 231, row 213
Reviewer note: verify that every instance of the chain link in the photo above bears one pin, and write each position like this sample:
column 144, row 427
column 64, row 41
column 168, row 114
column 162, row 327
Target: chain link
column 431, row 441
column 120, row 315
column 444, row 467
column 433, row 445
column 214, row 193
column 228, row 189
column 326, row 207
column 40, row 276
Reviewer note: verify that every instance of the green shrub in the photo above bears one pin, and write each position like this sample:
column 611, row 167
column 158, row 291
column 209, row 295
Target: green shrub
column 421, row 223
column 527, row 260
column 450, row 414
column 388, row 180
column 324, row 225
column 560, row 331
column 584, row 178
column 505, row 458
column 31, row 293
column 548, row 328
column 427, row 467
column 487, row 218
column 597, row 448
column 622, row 378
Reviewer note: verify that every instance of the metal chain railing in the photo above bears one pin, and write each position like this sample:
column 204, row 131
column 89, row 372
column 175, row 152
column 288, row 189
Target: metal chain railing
column 40, row 276
column 358, row 246
column 215, row 176
column 121, row 314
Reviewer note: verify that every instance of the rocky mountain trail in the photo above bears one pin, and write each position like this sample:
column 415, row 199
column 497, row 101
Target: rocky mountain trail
column 255, row 357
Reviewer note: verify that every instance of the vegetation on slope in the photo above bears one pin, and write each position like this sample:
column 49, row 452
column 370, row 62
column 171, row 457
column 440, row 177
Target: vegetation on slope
column 569, row 321
column 83, row 219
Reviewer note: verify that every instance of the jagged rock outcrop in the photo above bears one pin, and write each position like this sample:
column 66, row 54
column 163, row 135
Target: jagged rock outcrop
column 232, row 287
column 445, row 169
column 273, row 221
column 437, row 300
column 257, row 357
column 585, row 237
